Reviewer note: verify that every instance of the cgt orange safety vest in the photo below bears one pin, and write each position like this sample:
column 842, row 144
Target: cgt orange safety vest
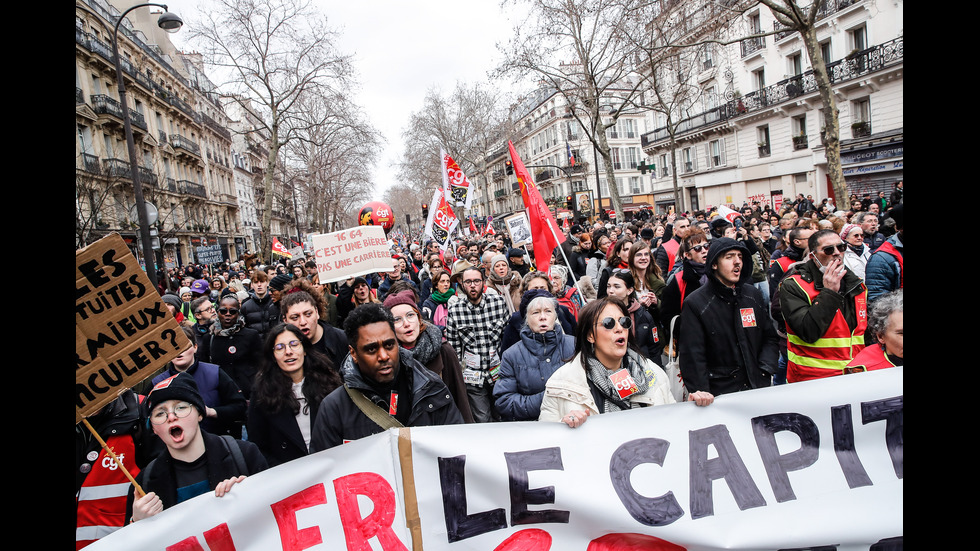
column 830, row 354
column 101, row 501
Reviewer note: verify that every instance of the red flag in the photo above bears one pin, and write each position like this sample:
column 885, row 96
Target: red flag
column 278, row 248
column 545, row 235
column 472, row 226
column 489, row 230
column 564, row 225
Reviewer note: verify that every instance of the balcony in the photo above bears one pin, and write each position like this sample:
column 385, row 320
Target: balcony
column 147, row 176
column 90, row 163
column 800, row 142
column 543, row 176
column 192, row 188
column 105, row 105
column 170, row 184
column 117, row 168
column 186, row 144
column 498, row 175
column 861, row 129
column 752, row 45
column 499, row 193
column 764, row 150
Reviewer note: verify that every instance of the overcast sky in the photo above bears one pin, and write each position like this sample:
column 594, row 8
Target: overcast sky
column 402, row 49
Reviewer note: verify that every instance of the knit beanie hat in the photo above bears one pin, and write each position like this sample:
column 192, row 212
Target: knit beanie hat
column 848, row 228
column 498, row 258
column 172, row 300
column 530, row 295
column 279, row 282
column 515, row 253
column 183, row 291
column 401, row 297
column 181, row 386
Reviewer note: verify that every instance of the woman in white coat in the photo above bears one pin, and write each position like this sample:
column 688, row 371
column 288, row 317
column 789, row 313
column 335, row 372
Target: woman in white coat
column 606, row 374
column 857, row 254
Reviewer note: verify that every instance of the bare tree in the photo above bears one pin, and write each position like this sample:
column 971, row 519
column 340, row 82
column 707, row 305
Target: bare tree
column 466, row 123
column 580, row 49
column 274, row 52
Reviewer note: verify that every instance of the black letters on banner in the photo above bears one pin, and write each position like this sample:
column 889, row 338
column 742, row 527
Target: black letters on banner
column 727, row 465
column 518, row 465
column 850, row 464
column 459, row 525
column 651, row 511
column 891, row 410
column 778, row 465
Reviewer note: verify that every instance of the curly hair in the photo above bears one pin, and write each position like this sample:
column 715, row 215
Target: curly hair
column 366, row 314
column 273, row 388
column 882, row 309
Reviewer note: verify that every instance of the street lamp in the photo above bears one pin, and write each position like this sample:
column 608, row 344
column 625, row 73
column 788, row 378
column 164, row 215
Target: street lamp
column 170, row 23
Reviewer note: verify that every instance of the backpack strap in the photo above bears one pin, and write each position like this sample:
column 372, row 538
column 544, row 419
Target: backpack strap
column 236, row 453
column 369, row 408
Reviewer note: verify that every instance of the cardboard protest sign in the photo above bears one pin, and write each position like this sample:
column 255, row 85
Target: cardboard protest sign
column 800, row 466
column 519, row 228
column 123, row 331
column 351, row 252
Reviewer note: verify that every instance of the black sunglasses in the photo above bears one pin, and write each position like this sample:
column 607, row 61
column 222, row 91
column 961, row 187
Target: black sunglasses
column 610, row 323
column 829, row 249
column 231, row 311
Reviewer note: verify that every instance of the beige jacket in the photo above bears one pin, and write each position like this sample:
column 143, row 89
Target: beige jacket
column 567, row 390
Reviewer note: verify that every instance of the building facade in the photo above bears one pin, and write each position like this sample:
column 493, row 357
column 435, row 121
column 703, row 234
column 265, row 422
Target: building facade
column 752, row 130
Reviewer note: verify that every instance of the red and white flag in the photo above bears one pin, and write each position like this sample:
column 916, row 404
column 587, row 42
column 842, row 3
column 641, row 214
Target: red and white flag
column 442, row 220
column 455, row 186
column 545, row 235
column 279, row 248
column 728, row 213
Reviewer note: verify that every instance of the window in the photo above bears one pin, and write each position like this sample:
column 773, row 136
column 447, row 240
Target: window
column 799, row 132
column 635, row 185
column 762, row 132
column 716, row 152
column 615, row 158
column 795, row 64
column 858, row 38
column 664, row 166
column 707, row 59
column 759, row 78
column 825, row 52
column 861, row 118
column 690, row 159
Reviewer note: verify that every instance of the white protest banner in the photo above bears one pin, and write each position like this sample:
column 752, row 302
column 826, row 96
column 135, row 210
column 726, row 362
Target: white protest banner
column 350, row 253
column 341, row 498
column 801, row 466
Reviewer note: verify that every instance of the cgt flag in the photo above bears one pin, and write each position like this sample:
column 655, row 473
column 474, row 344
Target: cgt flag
column 472, row 226
column 279, row 249
column 544, row 230
column 728, row 213
column 456, row 187
column 442, row 221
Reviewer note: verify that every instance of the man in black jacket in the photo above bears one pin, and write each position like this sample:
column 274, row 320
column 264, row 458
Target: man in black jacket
column 395, row 386
column 259, row 310
column 727, row 343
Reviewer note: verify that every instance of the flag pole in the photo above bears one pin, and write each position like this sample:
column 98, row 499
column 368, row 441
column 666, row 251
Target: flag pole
column 568, row 264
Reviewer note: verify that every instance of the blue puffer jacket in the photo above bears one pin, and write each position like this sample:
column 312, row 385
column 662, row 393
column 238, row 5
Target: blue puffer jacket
column 525, row 368
column 883, row 272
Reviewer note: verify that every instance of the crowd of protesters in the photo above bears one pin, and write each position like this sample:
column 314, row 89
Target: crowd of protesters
column 681, row 307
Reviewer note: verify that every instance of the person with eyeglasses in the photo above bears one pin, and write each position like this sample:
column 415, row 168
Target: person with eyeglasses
column 424, row 341
column 689, row 277
column 196, row 462
column 857, row 254
column 726, row 342
column 232, row 346
column 474, row 327
column 606, row 373
column 292, row 379
column 824, row 305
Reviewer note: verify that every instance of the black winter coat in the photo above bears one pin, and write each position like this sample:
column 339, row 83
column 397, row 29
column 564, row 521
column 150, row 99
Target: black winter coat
column 221, row 466
column 238, row 355
column 277, row 434
column 339, row 418
column 261, row 314
column 727, row 343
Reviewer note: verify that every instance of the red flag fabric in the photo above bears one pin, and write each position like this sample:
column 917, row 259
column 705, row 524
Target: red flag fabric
column 278, row 248
column 545, row 235
column 489, row 230
column 472, row 226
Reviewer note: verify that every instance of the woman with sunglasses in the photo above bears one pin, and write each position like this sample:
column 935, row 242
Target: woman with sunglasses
column 692, row 275
column 293, row 378
column 857, row 254
column 606, row 374
column 232, row 346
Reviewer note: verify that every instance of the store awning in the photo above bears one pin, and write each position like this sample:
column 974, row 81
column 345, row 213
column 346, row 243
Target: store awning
column 636, row 206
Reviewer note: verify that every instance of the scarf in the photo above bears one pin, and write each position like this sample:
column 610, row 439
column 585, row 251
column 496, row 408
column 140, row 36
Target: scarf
column 858, row 250
column 599, row 376
column 442, row 298
column 428, row 345
column 216, row 329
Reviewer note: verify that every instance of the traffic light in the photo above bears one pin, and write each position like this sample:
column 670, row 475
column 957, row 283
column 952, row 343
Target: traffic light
column 570, row 202
column 425, row 211
column 509, row 167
